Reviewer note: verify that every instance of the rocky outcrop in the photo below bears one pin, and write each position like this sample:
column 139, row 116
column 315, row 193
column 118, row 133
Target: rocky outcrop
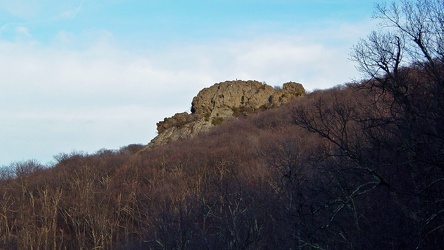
column 223, row 101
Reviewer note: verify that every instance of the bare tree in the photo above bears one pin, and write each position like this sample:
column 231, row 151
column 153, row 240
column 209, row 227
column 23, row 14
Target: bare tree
column 405, row 63
column 412, row 32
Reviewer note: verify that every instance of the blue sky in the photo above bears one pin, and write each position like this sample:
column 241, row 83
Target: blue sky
column 85, row 75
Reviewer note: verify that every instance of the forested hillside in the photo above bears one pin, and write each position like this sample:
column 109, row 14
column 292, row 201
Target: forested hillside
column 357, row 166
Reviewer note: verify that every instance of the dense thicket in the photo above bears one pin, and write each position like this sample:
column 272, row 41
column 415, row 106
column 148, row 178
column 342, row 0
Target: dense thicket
column 359, row 166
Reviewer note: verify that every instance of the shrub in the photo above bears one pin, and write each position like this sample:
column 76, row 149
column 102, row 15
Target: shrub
column 217, row 120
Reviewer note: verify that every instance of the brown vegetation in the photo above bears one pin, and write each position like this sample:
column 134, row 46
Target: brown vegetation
column 358, row 166
column 260, row 181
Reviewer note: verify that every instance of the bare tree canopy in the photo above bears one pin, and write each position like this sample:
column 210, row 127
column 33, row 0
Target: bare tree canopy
column 410, row 32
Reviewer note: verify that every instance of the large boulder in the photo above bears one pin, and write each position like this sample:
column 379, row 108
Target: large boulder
column 223, row 101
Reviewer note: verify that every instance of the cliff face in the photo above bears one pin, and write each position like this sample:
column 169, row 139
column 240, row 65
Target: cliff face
column 223, row 101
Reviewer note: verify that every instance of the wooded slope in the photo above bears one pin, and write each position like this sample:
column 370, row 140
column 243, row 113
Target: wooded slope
column 344, row 168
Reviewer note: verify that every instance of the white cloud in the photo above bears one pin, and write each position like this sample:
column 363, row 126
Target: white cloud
column 59, row 98
column 72, row 12
column 20, row 8
column 22, row 30
column 22, row 33
column 42, row 9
